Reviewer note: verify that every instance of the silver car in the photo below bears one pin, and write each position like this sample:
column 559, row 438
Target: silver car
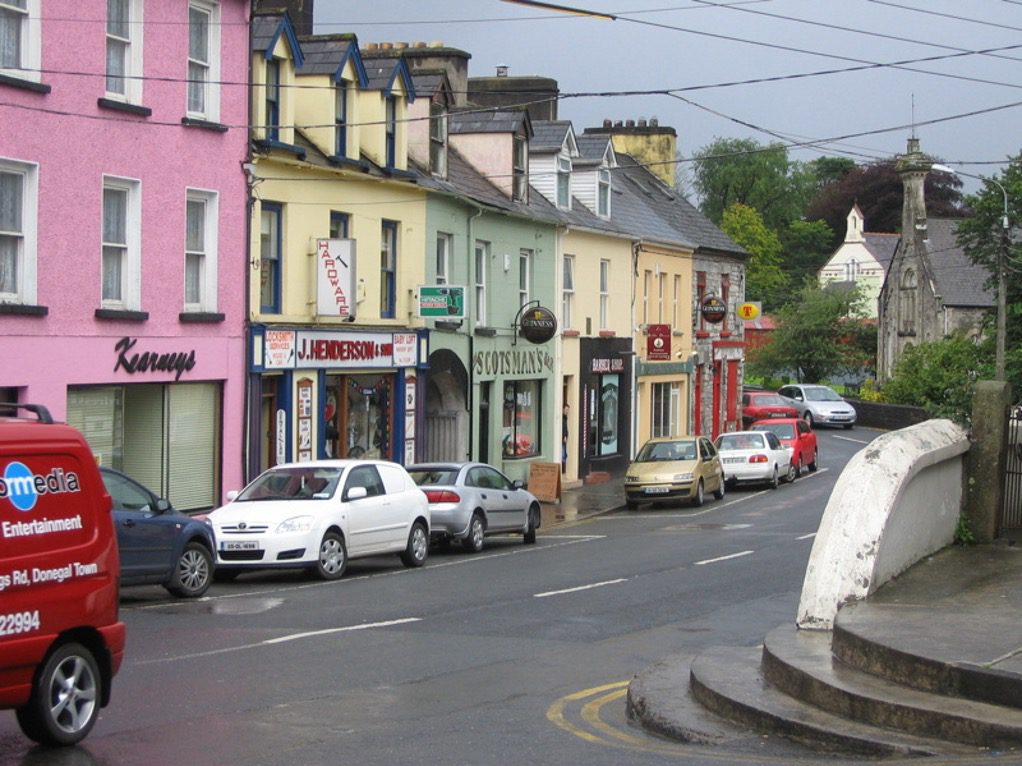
column 468, row 501
column 819, row 405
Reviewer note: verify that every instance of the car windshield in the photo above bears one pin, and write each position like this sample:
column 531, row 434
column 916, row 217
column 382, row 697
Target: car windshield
column 295, row 483
column 822, row 395
column 427, row 476
column 780, row 430
column 673, row 450
column 740, row 441
column 764, row 401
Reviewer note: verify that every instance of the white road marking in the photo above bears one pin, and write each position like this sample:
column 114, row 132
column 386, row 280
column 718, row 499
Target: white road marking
column 850, row 439
column 580, row 587
column 327, row 631
column 723, row 558
column 806, row 537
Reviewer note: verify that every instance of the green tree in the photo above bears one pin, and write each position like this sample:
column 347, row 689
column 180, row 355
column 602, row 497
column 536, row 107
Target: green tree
column 820, row 333
column 985, row 240
column 940, row 376
column 765, row 280
column 807, row 246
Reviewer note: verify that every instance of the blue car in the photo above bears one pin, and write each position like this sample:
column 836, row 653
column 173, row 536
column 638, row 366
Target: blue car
column 159, row 545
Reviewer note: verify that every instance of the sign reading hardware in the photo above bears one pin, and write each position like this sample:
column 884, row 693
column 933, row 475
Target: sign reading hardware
column 335, row 277
column 442, row 301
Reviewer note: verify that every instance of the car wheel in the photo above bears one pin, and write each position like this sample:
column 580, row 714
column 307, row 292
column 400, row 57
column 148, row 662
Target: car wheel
column 774, row 481
column 719, row 492
column 800, row 467
column 848, row 426
column 699, row 497
column 474, row 541
column 414, row 554
column 807, row 416
column 333, row 557
column 534, row 520
column 792, row 473
column 816, row 459
column 194, row 572
column 65, row 698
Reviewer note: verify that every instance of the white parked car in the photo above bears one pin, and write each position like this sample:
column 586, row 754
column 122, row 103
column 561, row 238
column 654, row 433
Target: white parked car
column 754, row 457
column 317, row 515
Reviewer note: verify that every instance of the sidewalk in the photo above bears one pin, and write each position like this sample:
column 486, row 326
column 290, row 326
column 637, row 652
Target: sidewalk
column 583, row 501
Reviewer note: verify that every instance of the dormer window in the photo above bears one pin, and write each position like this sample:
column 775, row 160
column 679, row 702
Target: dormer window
column 563, row 182
column 390, row 120
column 341, row 119
column 603, row 194
column 438, row 139
column 520, row 169
column 273, row 100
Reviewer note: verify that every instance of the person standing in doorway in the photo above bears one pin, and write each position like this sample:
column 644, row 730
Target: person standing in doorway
column 564, row 438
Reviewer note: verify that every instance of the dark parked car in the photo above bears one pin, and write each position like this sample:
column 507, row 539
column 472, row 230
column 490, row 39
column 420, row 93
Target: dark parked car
column 158, row 544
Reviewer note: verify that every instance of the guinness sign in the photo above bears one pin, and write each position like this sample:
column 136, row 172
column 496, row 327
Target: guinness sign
column 537, row 324
column 713, row 309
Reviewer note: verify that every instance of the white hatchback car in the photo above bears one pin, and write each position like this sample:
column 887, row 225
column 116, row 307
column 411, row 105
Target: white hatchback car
column 754, row 456
column 317, row 515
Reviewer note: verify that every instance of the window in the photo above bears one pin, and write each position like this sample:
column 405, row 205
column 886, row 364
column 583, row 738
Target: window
column 563, row 182
column 661, row 289
column 201, row 216
column 568, row 295
column 390, row 125
column 907, row 303
column 272, row 105
column 700, row 294
column 603, row 415
column 341, row 119
column 122, row 243
column 647, row 277
column 482, row 257
column 443, row 255
column 438, row 139
column 19, row 193
column 124, row 50
column 604, row 292
column 520, row 170
column 725, row 295
column 851, row 270
column 203, row 60
column 339, row 224
column 388, row 269
column 603, row 194
column 522, row 418
column 524, row 276
column 666, row 400
column 270, row 244
column 675, row 302
column 20, row 39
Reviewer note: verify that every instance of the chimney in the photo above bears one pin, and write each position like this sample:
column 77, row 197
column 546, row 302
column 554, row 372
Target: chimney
column 501, row 70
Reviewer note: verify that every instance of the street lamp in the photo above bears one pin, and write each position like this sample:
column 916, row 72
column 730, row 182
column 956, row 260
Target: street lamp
column 1002, row 288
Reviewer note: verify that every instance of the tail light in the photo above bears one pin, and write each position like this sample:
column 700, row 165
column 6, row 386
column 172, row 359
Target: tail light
column 759, row 459
column 442, row 496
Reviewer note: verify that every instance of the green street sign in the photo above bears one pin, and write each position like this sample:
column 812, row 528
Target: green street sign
column 442, row 302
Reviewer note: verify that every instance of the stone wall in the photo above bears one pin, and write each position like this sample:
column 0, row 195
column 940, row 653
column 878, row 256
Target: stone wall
column 888, row 417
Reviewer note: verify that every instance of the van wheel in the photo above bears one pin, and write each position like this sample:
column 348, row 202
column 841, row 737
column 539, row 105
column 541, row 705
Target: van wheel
column 194, row 572
column 474, row 541
column 414, row 554
column 333, row 557
column 65, row 698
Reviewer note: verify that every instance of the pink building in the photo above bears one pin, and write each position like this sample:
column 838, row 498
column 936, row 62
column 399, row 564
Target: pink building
column 123, row 230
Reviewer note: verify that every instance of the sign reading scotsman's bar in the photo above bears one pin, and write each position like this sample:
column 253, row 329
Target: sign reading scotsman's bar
column 335, row 277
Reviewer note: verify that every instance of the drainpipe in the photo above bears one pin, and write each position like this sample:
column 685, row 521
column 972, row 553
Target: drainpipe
column 636, row 247
column 469, row 300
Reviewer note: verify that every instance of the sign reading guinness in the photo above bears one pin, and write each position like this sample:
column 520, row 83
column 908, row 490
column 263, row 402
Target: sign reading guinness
column 713, row 309
column 537, row 324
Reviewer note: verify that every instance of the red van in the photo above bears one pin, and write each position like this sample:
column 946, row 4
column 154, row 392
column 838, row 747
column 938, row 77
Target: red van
column 61, row 641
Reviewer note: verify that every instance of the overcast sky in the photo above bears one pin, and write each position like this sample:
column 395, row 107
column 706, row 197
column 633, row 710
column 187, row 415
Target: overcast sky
column 817, row 75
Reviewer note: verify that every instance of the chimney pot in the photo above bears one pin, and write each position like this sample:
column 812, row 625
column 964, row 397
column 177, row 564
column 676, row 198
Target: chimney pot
column 501, row 70
column 607, row 123
column 619, row 124
column 629, row 123
column 654, row 122
column 400, row 46
column 642, row 122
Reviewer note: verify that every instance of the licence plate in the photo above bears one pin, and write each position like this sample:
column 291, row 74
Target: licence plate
column 777, row 414
column 245, row 545
column 657, row 490
column 734, row 460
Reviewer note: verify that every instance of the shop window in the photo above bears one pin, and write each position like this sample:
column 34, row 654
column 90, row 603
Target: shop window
column 603, row 420
column 522, row 418
column 666, row 399
column 357, row 416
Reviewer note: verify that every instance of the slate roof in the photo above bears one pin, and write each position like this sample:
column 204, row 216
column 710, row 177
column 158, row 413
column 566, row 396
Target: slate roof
column 324, row 54
column 549, row 135
column 381, row 71
column 881, row 247
column 427, row 82
column 488, row 121
column 264, row 30
column 591, row 148
column 959, row 281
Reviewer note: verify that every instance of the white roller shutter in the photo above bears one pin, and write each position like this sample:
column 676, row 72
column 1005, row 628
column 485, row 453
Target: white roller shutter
column 193, row 446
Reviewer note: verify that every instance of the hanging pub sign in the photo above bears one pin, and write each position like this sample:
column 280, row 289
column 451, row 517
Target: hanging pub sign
column 537, row 324
column 713, row 309
column 658, row 342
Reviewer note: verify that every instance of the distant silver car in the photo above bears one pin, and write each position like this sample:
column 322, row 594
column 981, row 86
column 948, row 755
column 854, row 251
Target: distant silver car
column 819, row 405
column 468, row 501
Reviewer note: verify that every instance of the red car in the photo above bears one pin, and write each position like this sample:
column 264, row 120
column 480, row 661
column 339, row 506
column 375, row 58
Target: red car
column 765, row 405
column 794, row 432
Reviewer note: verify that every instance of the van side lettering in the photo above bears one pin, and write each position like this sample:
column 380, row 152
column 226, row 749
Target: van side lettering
column 41, row 526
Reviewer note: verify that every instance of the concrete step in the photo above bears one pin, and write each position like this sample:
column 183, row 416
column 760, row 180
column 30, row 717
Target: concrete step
column 728, row 681
column 885, row 641
column 800, row 664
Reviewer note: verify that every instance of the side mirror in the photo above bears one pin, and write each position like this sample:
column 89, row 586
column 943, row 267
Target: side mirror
column 518, row 484
column 232, row 495
column 162, row 505
column 356, row 493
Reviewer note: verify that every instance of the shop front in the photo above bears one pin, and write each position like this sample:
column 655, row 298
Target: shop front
column 319, row 394
column 605, row 405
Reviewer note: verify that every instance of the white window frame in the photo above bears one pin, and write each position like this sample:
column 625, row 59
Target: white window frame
column 563, row 182
column 524, row 276
column 132, row 90
column 675, row 301
column 520, row 169
column 211, row 88
column 482, row 257
column 131, row 268
column 567, row 290
column 31, row 41
column 26, row 257
column 207, row 253
column 443, row 258
column 604, row 292
column 603, row 193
